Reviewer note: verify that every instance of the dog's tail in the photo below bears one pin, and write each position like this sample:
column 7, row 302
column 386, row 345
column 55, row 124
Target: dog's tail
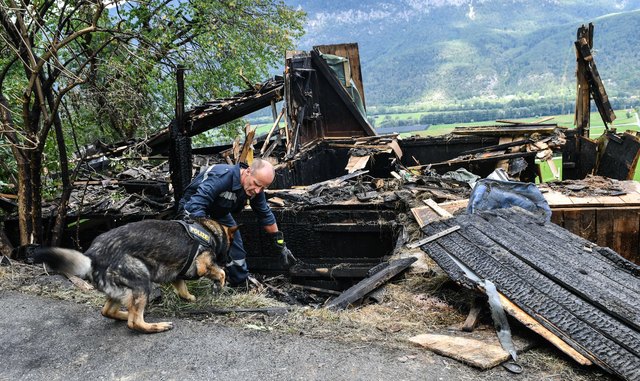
column 68, row 261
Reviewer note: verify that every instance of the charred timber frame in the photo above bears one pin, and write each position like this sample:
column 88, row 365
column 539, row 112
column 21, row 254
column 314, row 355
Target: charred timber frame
column 579, row 155
column 180, row 159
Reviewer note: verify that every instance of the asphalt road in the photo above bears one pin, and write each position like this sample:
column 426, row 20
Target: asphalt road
column 45, row 339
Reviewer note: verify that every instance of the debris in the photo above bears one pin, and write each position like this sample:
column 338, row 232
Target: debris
column 474, row 315
column 317, row 289
column 80, row 283
column 620, row 157
column 436, row 208
column 433, row 237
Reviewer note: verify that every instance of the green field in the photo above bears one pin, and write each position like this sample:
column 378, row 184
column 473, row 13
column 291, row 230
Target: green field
column 597, row 127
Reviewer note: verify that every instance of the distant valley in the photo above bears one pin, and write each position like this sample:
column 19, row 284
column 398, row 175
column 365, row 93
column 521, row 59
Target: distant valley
column 434, row 53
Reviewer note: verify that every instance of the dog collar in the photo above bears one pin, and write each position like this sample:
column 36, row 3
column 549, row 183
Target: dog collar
column 202, row 239
column 198, row 233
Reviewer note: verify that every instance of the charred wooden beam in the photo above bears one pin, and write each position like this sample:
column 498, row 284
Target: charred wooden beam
column 499, row 147
column 324, row 69
column 502, row 130
column 367, row 285
column 596, row 87
column 583, row 100
column 220, row 111
column 180, row 159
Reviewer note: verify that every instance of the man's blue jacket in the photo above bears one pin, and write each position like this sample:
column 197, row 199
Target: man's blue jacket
column 217, row 192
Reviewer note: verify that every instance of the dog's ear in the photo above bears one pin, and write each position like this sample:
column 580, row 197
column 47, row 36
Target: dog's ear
column 231, row 231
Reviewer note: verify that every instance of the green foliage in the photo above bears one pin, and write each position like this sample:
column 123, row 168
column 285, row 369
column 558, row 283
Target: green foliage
column 118, row 81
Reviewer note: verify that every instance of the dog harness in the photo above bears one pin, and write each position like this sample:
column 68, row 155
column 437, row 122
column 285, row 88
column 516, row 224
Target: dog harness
column 202, row 240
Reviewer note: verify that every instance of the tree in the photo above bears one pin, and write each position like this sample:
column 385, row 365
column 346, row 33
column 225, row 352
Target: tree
column 107, row 65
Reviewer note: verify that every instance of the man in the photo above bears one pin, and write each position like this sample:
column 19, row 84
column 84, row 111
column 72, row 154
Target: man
column 224, row 189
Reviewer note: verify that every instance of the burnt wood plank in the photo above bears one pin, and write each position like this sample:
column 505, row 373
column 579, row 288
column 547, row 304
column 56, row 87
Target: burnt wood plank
column 581, row 222
column 620, row 157
column 600, row 97
column 602, row 259
column 605, row 219
column 557, row 217
column 590, row 330
column 579, row 252
column 595, row 286
column 367, row 285
column 625, row 233
column 502, row 130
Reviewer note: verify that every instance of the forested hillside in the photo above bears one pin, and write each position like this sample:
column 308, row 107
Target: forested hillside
column 450, row 50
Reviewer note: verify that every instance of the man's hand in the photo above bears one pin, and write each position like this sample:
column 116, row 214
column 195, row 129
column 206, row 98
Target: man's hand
column 286, row 257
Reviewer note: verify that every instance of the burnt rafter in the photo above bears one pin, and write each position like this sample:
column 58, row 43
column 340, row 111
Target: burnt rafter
column 217, row 112
column 325, row 71
column 220, row 111
column 598, row 92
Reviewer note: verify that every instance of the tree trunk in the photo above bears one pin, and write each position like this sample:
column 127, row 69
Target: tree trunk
column 35, row 212
column 24, row 198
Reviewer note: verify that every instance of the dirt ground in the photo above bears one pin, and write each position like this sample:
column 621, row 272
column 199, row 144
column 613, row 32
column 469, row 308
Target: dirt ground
column 420, row 302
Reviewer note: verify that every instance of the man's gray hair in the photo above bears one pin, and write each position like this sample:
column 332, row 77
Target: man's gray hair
column 258, row 164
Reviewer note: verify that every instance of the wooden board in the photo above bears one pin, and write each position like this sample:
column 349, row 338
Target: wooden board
column 357, row 162
column 611, row 200
column 359, row 290
column 605, row 227
column 625, row 234
column 470, row 351
column 424, row 215
column 502, row 130
column 454, row 206
column 631, row 198
column 585, row 201
column 616, row 227
column 557, row 199
column 436, row 208
column 538, row 328
column 581, row 222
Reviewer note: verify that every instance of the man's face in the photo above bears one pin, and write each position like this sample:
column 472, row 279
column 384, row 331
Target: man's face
column 255, row 182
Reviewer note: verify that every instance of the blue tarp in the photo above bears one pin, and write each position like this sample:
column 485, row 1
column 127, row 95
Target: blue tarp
column 494, row 194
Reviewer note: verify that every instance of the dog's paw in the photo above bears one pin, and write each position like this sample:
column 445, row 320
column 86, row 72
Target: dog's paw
column 161, row 327
column 191, row 298
column 150, row 327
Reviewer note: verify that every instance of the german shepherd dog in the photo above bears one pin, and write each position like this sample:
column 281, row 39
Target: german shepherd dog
column 123, row 262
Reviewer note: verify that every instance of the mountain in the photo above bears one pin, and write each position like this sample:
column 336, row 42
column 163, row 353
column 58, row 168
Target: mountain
column 442, row 51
